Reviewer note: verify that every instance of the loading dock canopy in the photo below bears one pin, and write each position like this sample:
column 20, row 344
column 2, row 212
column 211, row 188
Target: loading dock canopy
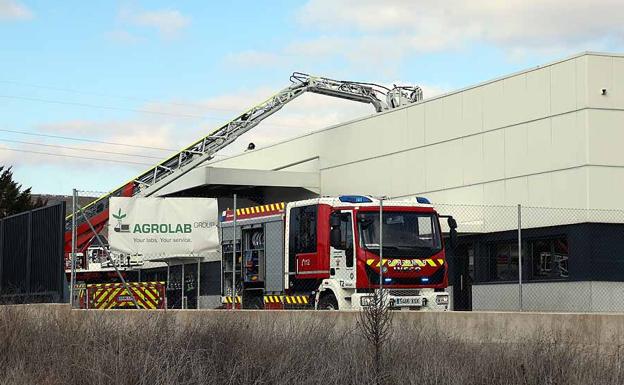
column 217, row 178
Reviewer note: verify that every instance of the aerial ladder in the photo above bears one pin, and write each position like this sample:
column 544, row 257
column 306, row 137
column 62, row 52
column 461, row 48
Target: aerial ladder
column 160, row 175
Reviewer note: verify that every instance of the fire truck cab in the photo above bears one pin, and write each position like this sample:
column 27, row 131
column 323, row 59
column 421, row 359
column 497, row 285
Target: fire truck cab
column 325, row 253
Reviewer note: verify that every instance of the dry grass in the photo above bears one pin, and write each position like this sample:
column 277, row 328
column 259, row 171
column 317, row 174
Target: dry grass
column 61, row 348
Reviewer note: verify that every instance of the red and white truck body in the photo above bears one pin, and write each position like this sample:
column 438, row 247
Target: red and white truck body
column 328, row 254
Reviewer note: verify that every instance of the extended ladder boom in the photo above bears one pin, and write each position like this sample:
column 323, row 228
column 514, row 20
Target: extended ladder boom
column 172, row 168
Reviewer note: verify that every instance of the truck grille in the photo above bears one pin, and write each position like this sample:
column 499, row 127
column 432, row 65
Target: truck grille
column 404, row 292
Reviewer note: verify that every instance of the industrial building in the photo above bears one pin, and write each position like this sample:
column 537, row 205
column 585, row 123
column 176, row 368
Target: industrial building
column 549, row 136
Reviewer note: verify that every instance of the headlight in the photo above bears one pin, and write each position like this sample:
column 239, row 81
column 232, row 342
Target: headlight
column 442, row 299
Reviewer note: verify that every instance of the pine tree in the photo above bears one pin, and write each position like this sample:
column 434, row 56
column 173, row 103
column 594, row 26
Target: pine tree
column 12, row 199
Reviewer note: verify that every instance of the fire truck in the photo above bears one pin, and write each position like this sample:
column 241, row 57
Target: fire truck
column 325, row 253
column 91, row 219
column 83, row 226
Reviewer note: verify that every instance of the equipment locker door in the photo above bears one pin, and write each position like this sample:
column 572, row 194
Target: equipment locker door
column 342, row 259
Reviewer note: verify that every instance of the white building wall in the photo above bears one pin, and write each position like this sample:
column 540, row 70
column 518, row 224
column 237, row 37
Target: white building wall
column 542, row 137
column 586, row 296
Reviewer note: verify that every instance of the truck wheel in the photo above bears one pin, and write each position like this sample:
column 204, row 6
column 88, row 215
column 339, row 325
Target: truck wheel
column 328, row 302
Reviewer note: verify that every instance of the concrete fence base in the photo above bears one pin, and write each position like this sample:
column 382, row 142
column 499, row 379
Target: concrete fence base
column 478, row 327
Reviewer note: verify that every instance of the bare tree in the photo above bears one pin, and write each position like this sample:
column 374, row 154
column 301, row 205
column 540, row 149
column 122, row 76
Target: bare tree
column 375, row 324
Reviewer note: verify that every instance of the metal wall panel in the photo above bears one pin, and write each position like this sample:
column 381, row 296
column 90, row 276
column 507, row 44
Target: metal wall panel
column 274, row 254
column 31, row 256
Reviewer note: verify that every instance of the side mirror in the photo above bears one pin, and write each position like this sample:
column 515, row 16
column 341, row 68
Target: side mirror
column 334, row 220
column 453, row 238
column 452, row 224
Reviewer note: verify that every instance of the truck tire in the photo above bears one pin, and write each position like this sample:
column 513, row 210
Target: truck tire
column 328, row 302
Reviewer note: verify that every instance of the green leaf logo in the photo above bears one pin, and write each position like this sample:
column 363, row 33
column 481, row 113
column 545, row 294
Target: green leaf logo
column 119, row 215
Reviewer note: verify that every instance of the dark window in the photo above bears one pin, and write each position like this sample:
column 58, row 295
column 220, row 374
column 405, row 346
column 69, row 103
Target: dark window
column 549, row 258
column 504, row 262
column 303, row 229
column 210, row 280
column 543, row 259
column 346, row 236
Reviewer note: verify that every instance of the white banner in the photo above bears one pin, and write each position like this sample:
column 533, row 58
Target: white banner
column 161, row 228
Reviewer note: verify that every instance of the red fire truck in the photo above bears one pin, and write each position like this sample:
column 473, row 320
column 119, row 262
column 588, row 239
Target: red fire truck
column 324, row 253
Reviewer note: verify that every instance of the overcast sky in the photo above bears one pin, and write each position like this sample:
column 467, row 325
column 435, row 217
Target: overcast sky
column 161, row 74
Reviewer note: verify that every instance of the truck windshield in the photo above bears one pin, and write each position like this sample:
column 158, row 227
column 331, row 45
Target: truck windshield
column 401, row 231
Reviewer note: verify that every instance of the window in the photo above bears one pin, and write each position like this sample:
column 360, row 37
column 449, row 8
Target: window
column 504, row 262
column 425, row 228
column 549, row 258
column 413, row 231
column 303, row 229
column 346, row 236
column 543, row 259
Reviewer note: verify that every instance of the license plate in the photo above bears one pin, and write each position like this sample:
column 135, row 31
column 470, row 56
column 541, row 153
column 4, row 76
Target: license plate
column 409, row 301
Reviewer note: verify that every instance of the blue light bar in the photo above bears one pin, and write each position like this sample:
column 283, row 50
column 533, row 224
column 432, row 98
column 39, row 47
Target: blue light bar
column 423, row 200
column 354, row 199
column 424, row 279
column 387, row 280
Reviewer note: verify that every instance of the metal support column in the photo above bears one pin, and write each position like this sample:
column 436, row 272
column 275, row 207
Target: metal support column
column 520, row 257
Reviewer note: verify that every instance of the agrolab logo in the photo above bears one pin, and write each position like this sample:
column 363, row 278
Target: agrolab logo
column 120, row 227
column 155, row 228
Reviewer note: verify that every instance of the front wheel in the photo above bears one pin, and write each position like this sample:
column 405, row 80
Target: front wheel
column 328, row 302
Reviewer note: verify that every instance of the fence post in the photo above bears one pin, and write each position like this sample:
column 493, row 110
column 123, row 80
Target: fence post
column 182, row 289
column 167, row 286
column 520, row 257
column 380, row 246
column 29, row 254
column 234, row 259
column 198, row 281
column 73, row 251
column 2, row 257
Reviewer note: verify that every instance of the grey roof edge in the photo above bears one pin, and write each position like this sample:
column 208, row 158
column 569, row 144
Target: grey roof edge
column 424, row 101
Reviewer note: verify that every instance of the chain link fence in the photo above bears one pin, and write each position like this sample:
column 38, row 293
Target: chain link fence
column 507, row 258
column 518, row 258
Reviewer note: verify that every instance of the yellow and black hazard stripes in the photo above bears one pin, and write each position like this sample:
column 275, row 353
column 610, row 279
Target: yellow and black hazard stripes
column 287, row 299
column 263, row 209
column 230, row 299
column 148, row 295
column 397, row 262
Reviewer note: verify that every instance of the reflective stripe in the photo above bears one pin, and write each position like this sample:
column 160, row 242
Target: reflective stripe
column 288, row 299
